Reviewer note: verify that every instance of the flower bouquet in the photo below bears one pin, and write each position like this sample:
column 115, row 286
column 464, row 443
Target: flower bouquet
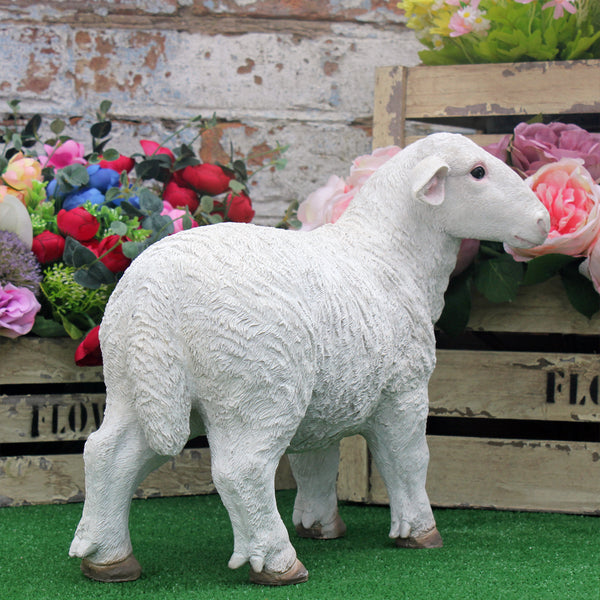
column 71, row 222
column 561, row 164
column 496, row 31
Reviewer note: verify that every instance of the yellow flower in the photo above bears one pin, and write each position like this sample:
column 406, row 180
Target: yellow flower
column 20, row 173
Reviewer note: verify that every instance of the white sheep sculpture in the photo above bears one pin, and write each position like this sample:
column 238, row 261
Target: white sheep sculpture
column 278, row 341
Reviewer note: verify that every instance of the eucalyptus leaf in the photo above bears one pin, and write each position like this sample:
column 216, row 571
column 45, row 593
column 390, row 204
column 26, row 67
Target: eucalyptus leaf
column 236, row 186
column 149, row 202
column 57, row 126
column 101, row 129
column 33, row 125
column 119, row 228
column 207, row 204
column 498, row 279
column 74, row 176
column 76, row 254
column 105, row 106
column 133, row 249
column 94, row 275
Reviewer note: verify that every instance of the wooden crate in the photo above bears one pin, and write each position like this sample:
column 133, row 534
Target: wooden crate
column 527, row 369
column 48, row 407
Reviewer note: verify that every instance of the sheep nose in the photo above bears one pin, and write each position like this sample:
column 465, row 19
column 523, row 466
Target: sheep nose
column 543, row 224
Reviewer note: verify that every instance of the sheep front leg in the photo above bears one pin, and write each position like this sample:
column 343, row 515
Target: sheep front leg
column 243, row 470
column 396, row 438
column 117, row 458
column 315, row 510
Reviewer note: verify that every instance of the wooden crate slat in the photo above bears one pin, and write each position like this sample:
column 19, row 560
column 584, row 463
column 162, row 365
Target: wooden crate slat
column 503, row 89
column 516, row 385
column 509, row 474
column 31, row 360
column 352, row 482
column 60, row 478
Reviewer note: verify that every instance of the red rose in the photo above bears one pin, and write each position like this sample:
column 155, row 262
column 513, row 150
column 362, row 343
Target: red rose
column 115, row 260
column 88, row 353
column 180, row 197
column 48, row 246
column 205, row 179
column 123, row 163
column 78, row 223
column 149, row 147
column 239, row 208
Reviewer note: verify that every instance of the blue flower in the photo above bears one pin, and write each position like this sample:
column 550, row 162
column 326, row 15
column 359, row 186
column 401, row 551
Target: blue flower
column 102, row 179
column 81, row 196
column 133, row 200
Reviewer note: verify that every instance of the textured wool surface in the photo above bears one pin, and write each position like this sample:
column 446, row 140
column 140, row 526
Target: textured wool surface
column 183, row 545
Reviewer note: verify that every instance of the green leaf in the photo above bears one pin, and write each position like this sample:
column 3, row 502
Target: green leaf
column 236, row 186
column 101, row 130
column 119, row 228
column 32, row 126
column 73, row 175
column 76, row 254
column 580, row 290
column 57, row 126
column 72, row 330
column 186, row 221
column 110, row 154
column 160, row 225
column 47, row 327
column 149, row 202
column 94, row 275
column 133, row 249
column 544, row 267
column 457, row 307
column 105, row 106
column 498, row 279
column 207, row 204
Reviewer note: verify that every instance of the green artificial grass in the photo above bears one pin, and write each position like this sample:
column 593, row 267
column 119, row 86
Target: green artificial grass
column 184, row 544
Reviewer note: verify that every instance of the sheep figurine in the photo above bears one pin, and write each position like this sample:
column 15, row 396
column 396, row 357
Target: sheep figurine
column 278, row 341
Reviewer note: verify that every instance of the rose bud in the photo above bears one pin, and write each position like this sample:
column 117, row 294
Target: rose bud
column 123, row 163
column 115, row 260
column 239, row 208
column 88, row 353
column 48, row 246
column 180, row 197
column 78, row 223
column 205, row 179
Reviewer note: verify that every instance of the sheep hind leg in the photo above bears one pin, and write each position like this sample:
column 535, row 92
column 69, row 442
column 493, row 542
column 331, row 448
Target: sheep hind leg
column 315, row 509
column 117, row 459
column 243, row 468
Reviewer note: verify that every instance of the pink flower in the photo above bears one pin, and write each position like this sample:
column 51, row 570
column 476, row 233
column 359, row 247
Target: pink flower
column 573, row 200
column 468, row 19
column 499, row 149
column 537, row 144
column 150, row 148
column 63, row 154
column 18, row 308
column 467, row 252
column 21, row 172
column 176, row 215
column 560, row 6
column 328, row 203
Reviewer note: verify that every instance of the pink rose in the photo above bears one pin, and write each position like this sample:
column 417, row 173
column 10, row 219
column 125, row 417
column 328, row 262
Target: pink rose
column 573, row 200
column 176, row 215
column 499, row 149
column 63, row 154
column 316, row 209
column 364, row 166
column 537, row 144
column 21, row 172
column 18, row 308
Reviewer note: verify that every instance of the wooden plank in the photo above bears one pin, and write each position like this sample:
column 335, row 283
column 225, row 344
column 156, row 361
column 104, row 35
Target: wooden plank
column 542, row 308
column 389, row 106
column 50, row 417
column 509, row 474
column 503, row 89
column 42, row 360
column 353, row 478
column 60, row 478
column 483, row 139
column 516, row 385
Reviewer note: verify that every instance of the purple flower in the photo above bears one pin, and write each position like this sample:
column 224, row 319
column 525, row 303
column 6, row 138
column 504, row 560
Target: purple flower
column 18, row 264
column 18, row 308
column 536, row 145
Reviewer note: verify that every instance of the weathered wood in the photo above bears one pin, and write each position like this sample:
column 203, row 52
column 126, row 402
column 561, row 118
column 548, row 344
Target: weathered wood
column 42, row 360
column 503, row 89
column 516, row 385
column 353, row 480
column 60, row 478
column 509, row 474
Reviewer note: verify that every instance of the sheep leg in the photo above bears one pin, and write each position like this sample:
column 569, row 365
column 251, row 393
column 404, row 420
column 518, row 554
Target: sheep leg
column 396, row 438
column 117, row 459
column 315, row 510
column 243, row 470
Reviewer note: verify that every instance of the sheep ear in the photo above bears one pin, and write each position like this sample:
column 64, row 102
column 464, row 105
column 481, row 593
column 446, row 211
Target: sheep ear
column 427, row 180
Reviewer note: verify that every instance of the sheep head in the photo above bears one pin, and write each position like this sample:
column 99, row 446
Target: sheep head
column 471, row 194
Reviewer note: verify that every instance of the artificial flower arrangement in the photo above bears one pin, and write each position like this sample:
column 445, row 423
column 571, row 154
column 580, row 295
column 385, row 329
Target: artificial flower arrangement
column 561, row 164
column 71, row 222
column 492, row 31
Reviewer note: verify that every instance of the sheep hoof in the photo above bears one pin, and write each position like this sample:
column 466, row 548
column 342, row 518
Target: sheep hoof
column 335, row 529
column 432, row 539
column 297, row 573
column 128, row 569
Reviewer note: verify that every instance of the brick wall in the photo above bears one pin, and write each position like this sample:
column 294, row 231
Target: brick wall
column 299, row 72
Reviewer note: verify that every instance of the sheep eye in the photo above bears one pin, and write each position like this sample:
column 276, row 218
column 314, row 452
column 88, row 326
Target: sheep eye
column 478, row 172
